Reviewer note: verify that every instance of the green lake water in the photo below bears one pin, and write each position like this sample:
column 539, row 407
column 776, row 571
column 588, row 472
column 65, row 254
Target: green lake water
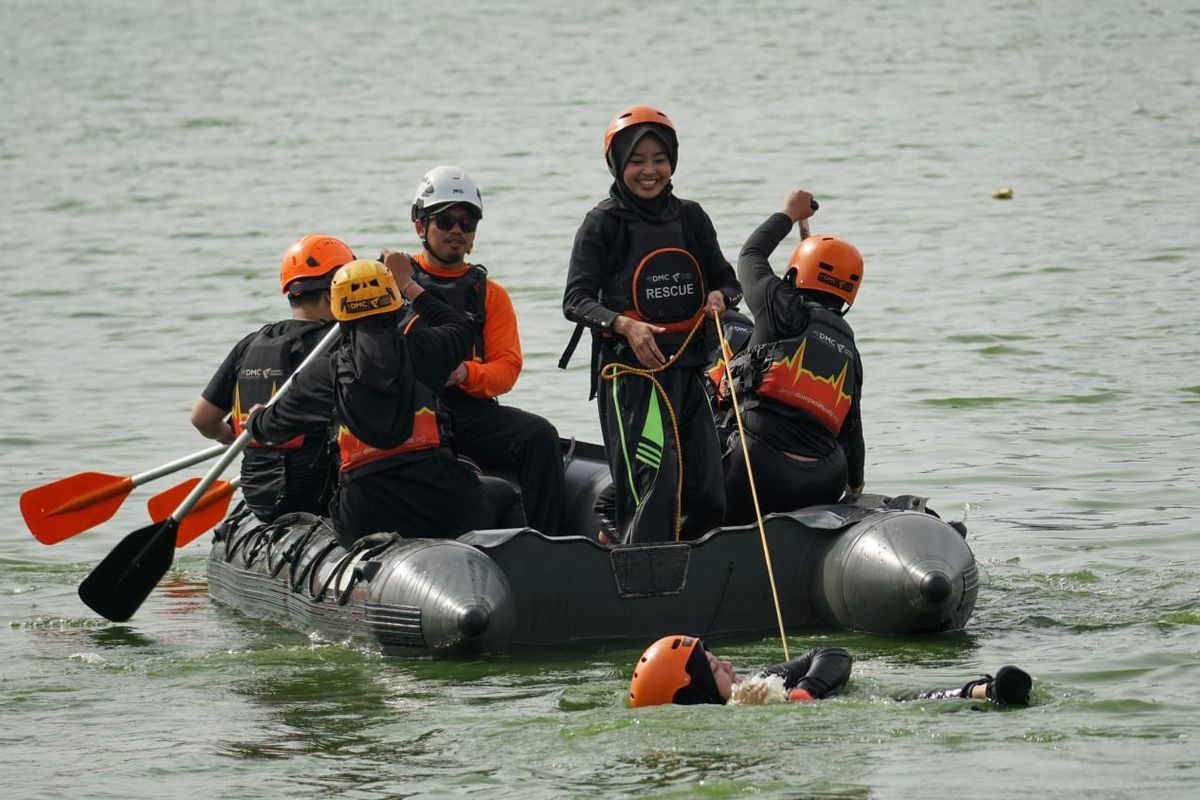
column 1031, row 365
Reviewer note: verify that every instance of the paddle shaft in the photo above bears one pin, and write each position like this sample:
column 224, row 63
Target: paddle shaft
column 804, row 222
column 178, row 464
column 240, row 443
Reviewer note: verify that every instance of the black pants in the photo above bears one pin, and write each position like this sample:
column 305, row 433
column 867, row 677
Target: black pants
column 436, row 496
column 640, row 444
column 506, row 439
column 783, row 483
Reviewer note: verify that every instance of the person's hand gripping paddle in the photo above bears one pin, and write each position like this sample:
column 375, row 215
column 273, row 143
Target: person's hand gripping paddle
column 120, row 583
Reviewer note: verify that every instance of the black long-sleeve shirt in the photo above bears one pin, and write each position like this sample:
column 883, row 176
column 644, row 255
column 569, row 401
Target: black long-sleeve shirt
column 368, row 386
column 367, row 381
column 779, row 312
column 823, row 672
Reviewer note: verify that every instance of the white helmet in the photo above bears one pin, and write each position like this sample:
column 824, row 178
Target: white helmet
column 444, row 185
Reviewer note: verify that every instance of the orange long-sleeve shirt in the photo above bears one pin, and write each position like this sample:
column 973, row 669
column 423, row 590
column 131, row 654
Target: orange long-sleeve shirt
column 497, row 371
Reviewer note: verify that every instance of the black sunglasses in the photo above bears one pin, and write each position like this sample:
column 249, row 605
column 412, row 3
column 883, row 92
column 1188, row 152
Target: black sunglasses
column 446, row 222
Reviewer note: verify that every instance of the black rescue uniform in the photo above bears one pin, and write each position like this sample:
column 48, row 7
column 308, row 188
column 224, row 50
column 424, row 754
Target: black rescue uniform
column 821, row 672
column 824, row 672
column 656, row 262
column 379, row 388
column 300, row 474
column 799, row 385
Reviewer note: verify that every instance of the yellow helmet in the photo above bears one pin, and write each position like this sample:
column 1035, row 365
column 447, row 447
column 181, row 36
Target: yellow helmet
column 362, row 289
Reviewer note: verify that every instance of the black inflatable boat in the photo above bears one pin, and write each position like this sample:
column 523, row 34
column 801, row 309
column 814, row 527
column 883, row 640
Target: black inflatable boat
column 880, row 565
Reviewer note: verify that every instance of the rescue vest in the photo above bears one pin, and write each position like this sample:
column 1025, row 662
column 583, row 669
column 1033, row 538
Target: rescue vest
column 430, row 429
column 661, row 282
column 738, row 330
column 267, row 363
column 815, row 371
column 466, row 294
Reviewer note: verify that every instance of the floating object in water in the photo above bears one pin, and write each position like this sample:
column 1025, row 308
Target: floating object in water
column 1004, row 193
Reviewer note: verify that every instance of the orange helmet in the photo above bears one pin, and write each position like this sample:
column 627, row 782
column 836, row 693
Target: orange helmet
column 673, row 670
column 309, row 263
column 636, row 115
column 827, row 264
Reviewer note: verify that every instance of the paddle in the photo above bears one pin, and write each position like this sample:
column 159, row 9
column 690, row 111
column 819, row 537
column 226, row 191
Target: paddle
column 120, row 583
column 804, row 222
column 208, row 511
column 66, row 507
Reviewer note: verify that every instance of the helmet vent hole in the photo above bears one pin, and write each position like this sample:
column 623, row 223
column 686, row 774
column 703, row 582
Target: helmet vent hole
column 312, row 262
column 826, row 267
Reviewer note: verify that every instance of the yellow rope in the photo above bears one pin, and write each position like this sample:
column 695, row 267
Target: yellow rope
column 762, row 533
column 615, row 369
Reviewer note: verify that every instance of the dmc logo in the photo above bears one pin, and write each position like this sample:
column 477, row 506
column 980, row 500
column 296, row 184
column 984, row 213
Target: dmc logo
column 837, row 283
column 824, row 337
column 353, row 306
column 261, row 372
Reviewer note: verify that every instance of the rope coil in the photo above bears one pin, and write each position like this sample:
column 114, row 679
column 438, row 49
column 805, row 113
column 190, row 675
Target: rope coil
column 615, row 369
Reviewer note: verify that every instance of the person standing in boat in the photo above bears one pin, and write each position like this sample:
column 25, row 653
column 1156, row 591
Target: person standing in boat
column 680, row 669
column 446, row 212
column 379, row 389
column 300, row 473
column 645, row 272
column 799, row 382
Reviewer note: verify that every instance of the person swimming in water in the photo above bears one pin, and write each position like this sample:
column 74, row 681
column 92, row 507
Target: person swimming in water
column 682, row 670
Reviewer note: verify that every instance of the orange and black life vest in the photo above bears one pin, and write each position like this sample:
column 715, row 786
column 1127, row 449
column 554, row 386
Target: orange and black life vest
column 661, row 282
column 269, row 360
column 430, row 429
column 815, row 371
column 738, row 330
column 466, row 294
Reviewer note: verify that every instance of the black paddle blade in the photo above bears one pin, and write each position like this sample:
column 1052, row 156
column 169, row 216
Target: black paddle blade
column 120, row 583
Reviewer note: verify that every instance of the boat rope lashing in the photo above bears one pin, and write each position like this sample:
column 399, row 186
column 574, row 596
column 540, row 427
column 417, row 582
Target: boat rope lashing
column 309, row 570
column 231, row 522
column 233, row 545
column 289, row 552
column 365, row 548
column 615, row 369
column 296, row 555
column 260, row 545
column 762, row 533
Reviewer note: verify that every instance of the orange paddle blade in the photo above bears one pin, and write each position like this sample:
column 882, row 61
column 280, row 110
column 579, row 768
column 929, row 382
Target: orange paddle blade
column 61, row 509
column 208, row 511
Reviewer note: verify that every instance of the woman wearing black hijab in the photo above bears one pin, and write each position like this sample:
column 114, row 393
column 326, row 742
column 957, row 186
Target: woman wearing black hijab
column 645, row 273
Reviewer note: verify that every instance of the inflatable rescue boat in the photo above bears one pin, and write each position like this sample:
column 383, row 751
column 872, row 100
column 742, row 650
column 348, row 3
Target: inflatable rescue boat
column 879, row 565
